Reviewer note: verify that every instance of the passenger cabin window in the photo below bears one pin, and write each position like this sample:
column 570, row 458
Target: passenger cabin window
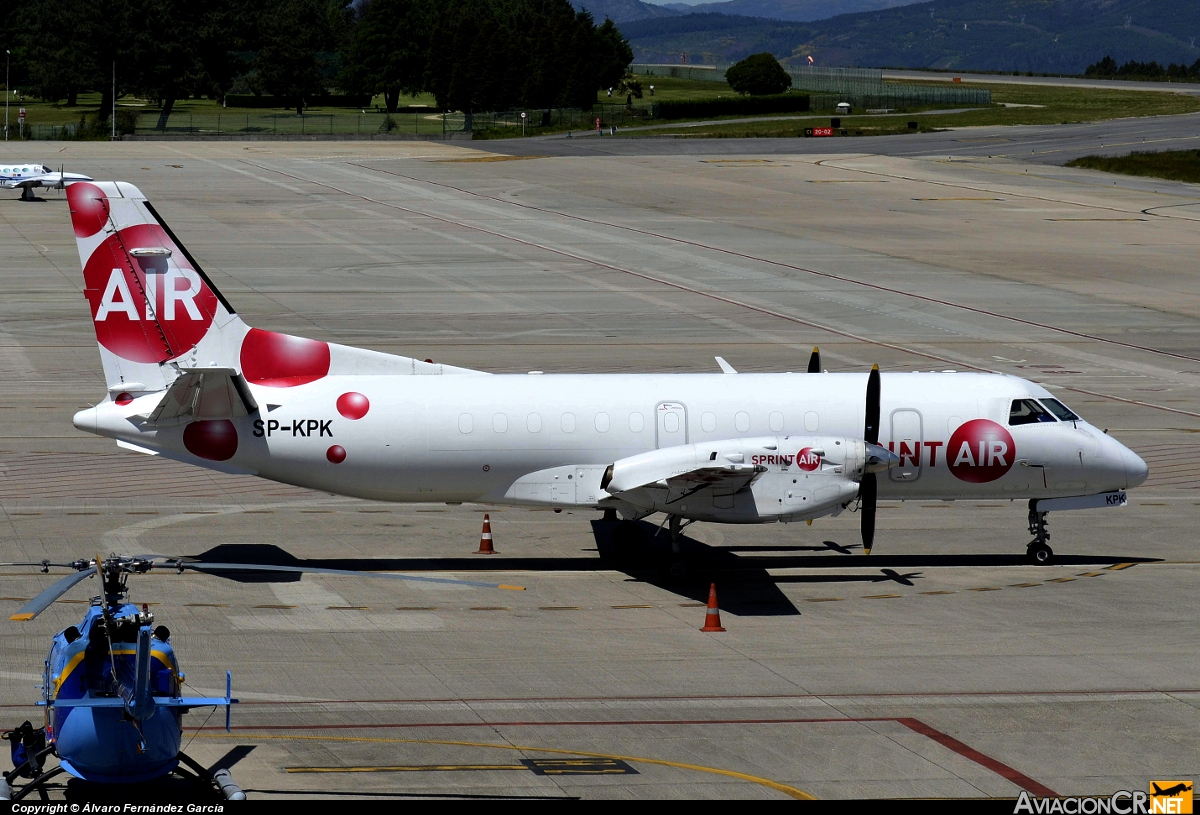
column 601, row 422
column 636, row 422
column 1064, row 413
column 568, row 423
column 708, row 422
column 741, row 421
column 1027, row 411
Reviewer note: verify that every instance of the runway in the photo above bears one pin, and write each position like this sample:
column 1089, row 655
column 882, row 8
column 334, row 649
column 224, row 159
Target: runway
column 940, row 666
column 1027, row 144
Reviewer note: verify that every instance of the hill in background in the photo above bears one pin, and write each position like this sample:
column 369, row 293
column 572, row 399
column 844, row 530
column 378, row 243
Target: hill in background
column 1054, row 36
column 795, row 11
column 622, row 11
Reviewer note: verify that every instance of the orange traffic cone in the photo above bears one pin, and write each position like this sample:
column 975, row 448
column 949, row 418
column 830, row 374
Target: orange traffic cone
column 712, row 618
column 485, row 539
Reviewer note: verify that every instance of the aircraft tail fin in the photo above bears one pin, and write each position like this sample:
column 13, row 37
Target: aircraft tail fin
column 158, row 316
column 150, row 301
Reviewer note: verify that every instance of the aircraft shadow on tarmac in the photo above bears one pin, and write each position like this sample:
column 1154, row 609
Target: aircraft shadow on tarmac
column 742, row 572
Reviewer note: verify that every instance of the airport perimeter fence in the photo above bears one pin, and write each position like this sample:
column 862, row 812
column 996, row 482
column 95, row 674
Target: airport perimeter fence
column 861, row 87
column 424, row 123
column 509, row 122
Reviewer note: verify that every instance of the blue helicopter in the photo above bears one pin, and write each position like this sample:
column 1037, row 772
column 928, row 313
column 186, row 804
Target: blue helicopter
column 112, row 688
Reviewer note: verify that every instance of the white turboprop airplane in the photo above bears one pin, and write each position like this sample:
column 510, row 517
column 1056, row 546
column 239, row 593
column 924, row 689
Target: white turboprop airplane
column 189, row 381
column 28, row 176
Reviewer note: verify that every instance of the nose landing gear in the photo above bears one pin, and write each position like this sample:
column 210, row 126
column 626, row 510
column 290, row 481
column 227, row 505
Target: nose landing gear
column 1038, row 551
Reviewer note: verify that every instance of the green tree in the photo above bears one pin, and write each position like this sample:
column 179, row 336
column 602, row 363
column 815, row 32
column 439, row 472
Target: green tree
column 295, row 33
column 225, row 31
column 71, row 46
column 165, row 64
column 501, row 54
column 388, row 50
column 613, row 55
column 758, row 75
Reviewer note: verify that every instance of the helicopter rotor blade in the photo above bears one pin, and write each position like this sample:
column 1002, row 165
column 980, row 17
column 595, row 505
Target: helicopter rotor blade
column 45, row 564
column 262, row 567
column 42, row 602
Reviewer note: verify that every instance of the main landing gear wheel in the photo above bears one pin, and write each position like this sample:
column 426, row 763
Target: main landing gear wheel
column 1039, row 554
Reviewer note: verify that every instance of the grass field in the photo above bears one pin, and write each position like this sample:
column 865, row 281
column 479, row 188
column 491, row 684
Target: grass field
column 45, row 113
column 1033, row 104
column 1177, row 165
column 1030, row 104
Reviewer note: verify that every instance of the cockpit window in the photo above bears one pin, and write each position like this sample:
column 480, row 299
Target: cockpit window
column 1060, row 410
column 1027, row 411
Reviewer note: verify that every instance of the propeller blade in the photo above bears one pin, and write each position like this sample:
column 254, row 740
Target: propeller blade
column 262, row 567
column 814, row 361
column 42, row 602
column 871, row 431
column 867, row 492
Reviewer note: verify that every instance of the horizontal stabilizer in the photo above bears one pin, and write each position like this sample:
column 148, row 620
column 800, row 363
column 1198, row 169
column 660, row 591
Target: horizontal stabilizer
column 203, row 394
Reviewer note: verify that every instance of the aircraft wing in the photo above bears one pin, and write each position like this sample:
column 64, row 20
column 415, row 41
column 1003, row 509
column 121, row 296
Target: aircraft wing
column 723, row 478
column 203, row 393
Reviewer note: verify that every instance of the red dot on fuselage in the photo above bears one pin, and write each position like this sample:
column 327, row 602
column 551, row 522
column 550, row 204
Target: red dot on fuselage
column 123, row 398
column 353, row 405
column 213, row 439
column 281, row 360
column 336, row 454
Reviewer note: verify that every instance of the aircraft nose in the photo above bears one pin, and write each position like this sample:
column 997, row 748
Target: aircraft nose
column 1136, row 470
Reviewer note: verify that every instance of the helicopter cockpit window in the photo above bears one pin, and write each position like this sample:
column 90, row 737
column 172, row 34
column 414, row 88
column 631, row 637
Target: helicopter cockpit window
column 1064, row 413
column 1027, row 411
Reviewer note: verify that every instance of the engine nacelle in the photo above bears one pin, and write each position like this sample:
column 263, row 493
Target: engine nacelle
column 754, row 480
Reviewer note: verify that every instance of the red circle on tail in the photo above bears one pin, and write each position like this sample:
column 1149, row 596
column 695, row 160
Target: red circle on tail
column 89, row 208
column 117, row 286
column 336, row 454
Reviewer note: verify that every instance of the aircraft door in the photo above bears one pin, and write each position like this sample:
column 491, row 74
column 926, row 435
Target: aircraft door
column 672, row 424
column 907, row 436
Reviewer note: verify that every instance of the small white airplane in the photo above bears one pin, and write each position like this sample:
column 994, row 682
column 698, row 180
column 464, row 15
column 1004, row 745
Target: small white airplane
column 189, row 381
column 28, row 176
